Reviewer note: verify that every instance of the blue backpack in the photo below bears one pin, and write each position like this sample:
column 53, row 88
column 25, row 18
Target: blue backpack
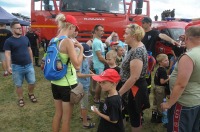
column 52, row 55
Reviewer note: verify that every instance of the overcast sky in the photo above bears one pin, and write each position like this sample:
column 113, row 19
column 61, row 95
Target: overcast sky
column 183, row 8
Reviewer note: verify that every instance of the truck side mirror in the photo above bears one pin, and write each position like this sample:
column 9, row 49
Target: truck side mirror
column 138, row 11
column 139, row 3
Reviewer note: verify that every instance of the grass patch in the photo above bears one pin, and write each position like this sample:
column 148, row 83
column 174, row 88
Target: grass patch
column 37, row 117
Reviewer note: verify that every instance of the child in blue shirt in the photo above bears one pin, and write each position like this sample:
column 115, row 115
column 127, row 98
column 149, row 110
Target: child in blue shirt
column 84, row 78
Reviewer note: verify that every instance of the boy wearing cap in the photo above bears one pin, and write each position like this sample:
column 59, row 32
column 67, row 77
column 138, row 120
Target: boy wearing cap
column 84, row 78
column 111, row 113
column 113, row 45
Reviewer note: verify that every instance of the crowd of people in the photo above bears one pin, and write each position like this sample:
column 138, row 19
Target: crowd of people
column 118, row 72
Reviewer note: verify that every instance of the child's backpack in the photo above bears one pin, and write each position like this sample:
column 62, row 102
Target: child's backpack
column 54, row 69
column 151, row 64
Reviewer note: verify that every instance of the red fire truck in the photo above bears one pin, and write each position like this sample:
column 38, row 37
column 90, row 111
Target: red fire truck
column 173, row 29
column 114, row 15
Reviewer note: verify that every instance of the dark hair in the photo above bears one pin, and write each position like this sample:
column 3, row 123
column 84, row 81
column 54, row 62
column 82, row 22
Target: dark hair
column 13, row 23
column 146, row 20
column 96, row 27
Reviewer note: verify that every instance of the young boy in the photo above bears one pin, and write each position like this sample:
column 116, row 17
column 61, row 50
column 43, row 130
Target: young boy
column 111, row 114
column 84, row 78
column 161, row 81
column 111, row 57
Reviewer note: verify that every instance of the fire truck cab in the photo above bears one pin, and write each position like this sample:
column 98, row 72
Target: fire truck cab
column 173, row 29
column 114, row 15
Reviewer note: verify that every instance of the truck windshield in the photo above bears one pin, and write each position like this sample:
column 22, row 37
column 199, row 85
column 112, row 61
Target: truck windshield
column 107, row 6
column 176, row 32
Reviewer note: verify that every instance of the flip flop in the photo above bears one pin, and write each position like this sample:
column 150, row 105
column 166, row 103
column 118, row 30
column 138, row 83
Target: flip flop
column 91, row 125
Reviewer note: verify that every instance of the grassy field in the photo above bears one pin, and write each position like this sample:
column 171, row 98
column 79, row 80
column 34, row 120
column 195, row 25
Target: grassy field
column 38, row 117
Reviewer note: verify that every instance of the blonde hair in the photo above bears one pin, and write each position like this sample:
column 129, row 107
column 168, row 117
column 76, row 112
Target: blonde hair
column 136, row 30
column 161, row 57
column 61, row 20
column 112, row 53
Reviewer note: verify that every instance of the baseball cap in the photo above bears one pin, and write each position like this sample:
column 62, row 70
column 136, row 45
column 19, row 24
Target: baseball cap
column 146, row 20
column 108, row 75
column 71, row 19
column 87, row 52
column 194, row 23
column 114, row 43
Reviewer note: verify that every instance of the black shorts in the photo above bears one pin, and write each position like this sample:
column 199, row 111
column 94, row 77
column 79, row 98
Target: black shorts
column 62, row 92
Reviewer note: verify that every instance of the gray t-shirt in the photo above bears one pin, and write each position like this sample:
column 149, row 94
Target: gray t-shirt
column 137, row 53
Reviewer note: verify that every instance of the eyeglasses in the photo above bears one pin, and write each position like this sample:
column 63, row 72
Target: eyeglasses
column 18, row 28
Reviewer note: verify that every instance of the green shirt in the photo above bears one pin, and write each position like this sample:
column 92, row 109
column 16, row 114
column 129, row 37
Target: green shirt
column 71, row 73
column 191, row 95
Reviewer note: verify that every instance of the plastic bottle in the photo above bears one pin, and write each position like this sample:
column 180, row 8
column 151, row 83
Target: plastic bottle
column 164, row 114
column 58, row 64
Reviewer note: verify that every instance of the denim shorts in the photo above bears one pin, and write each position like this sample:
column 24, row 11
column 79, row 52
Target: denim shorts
column 20, row 72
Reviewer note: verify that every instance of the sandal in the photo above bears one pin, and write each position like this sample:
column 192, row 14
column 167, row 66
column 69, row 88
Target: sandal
column 21, row 102
column 91, row 125
column 32, row 98
column 88, row 118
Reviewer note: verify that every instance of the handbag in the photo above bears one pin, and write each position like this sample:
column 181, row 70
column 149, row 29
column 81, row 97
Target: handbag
column 76, row 93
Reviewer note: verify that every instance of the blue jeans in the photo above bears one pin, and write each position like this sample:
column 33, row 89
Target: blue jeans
column 20, row 72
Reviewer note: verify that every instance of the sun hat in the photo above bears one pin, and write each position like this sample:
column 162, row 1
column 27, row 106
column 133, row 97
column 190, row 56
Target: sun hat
column 108, row 75
column 146, row 20
column 114, row 43
column 71, row 19
column 86, row 52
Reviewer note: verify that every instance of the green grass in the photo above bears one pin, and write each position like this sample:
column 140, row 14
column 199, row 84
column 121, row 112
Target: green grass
column 37, row 117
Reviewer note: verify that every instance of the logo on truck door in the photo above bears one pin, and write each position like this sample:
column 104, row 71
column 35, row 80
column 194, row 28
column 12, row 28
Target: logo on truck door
column 94, row 19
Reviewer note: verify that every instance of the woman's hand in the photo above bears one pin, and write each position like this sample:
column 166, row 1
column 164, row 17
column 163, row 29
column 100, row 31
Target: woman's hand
column 77, row 44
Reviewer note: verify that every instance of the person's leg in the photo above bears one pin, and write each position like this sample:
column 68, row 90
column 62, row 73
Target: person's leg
column 3, row 61
column 30, row 78
column 57, row 116
column 97, row 95
column 18, row 76
column 135, row 117
column 37, row 57
column 84, row 108
column 67, row 108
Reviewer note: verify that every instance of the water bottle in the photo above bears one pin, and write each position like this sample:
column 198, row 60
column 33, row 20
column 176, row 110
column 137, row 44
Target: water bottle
column 59, row 64
column 164, row 114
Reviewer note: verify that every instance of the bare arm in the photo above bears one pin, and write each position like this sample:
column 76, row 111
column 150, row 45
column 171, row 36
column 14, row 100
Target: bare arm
column 181, row 81
column 30, row 53
column 164, row 81
column 167, row 38
column 80, row 75
column 108, row 40
column 135, row 71
column 103, row 115
column 100, row 57
column 8, row 60
column 74, row 58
